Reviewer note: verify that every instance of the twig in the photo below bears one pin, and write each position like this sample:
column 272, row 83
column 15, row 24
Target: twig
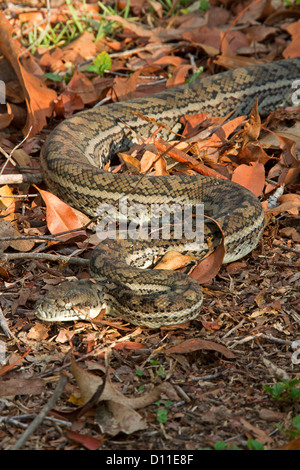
column 286, row 264
column 4, row 326
column 32, row 178
column 45, row 410
column 48, row 256
column 9, row 156
column 233, row 329
column 16, row 420
column 277, row 340
column 284, row 247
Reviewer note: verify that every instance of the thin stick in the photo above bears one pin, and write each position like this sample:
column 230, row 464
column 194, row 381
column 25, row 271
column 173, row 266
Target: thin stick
column 44, row 411
column 4, row 326
column 9, row 157
column 32, row 178
column 48, row 256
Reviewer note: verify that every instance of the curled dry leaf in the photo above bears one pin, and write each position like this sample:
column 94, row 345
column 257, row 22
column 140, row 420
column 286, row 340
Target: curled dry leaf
column 6, row 191
column 209, row 267
column 89, row 383
column 288, row 203
column 60, row 216
column 114, row 411
column 252, row 127
column 39, row 99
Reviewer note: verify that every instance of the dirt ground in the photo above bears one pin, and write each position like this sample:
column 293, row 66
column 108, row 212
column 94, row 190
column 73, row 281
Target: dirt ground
column 105, row 384
column 240, row 342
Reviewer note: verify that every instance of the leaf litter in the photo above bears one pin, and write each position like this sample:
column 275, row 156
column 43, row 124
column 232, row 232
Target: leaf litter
column 213, row 369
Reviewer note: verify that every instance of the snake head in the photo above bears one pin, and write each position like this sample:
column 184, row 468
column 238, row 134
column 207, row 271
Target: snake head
column 78, row 300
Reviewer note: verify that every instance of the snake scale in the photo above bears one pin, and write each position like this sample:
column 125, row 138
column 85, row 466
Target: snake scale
column 72, row 160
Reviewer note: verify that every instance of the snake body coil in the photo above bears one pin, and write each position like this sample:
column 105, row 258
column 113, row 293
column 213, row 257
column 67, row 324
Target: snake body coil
column 78, row 148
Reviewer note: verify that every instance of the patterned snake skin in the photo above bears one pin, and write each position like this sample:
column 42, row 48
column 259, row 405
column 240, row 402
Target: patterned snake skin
column 78, row 148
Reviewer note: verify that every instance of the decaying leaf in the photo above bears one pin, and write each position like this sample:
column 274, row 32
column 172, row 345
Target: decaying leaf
column 39, row 98
column 198, row 344
column 117, row 411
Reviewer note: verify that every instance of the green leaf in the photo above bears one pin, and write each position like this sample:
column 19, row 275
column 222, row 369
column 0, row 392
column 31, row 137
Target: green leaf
column 101, row 63
column 220, row 445
column 53, row 76
column 162, row 415
column 253, row 444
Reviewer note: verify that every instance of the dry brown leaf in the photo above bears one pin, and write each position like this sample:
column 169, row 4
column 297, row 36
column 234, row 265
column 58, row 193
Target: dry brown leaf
column 197, row 344
column 251, row 177
column 233, row 62
column 292, row 50
column 288, row 203
column 83, row 87
column 132, row 163
column 179, row 75
column 87, row 441
column 160, row 166
column 173, row 260
column 21, row 386
column 39, row 99
column 113, row 417
column 293, row 445
column 82, row 48
column 38, row 332
column 6, row 118
column 208, row 268
column 60, row 216
column 89, row 383
column 291, row 232
column 258, row 433
column 6, row 201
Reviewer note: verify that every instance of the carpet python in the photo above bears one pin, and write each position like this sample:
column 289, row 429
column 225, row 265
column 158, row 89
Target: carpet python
column 72, row 160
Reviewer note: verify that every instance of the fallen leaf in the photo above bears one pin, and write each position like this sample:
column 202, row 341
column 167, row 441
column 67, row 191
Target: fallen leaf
column 113, row 417
column 252, row 126
column 21, row 386
column 60, row 216
column 198, row 344
column 89, row 383
column 209, row 267
column 293, row 445
column 39, row 99
column 87, row 441
column 7, row 230
column 38, row 332
column 258, row 433
column 6, row 191
column 251, row 177
column 173, row 260
column 288, row 203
